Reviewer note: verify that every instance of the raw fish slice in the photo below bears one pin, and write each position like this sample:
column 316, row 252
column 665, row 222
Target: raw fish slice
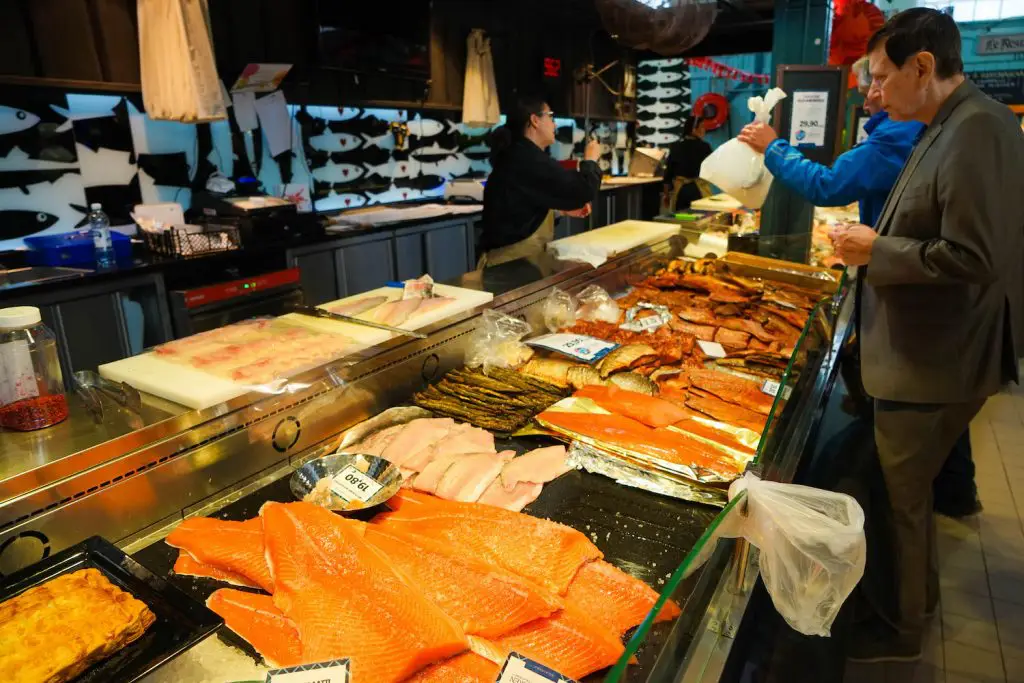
column 356, row 307
column 186, row 565
column 408, row 477
column 395, row 313
column 428, row 479
column 260, row 623
column 521, row 495
column 469, row 476
column 538, row 466
column 347, row 601
column 544, row 552
column 570, row 642
column 376, row 443
column 466, row 668
column 620, row 600
column 465, row 438
column 416, row 436
column 652, row 411
column 235, row 547
column 482, row 598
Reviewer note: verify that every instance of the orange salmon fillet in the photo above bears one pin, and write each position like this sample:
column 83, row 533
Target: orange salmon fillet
column 620, row 600
column 466, row 668
column 234, row 547
column 186, row 565
column 255, row 618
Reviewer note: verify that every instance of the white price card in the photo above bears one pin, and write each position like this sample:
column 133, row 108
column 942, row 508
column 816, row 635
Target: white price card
column 351, row 484
column 712, row 349
column 519, row 669
column 809, row 118
column 771, row 387
column 334, row 671
column 578, row 346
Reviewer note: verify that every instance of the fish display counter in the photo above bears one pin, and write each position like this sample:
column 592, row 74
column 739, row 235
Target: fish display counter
column 552, row 507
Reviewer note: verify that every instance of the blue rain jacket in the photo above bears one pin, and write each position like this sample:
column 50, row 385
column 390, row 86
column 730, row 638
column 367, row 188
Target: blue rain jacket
column 865, row 173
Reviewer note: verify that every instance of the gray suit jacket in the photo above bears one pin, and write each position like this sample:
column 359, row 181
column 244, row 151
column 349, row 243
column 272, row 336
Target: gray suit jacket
column 941, row 314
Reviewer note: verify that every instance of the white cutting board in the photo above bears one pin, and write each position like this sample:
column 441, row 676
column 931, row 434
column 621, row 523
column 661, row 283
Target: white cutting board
column 463, row 300
column 618, row 237
column 716, row 202
column 197, row 389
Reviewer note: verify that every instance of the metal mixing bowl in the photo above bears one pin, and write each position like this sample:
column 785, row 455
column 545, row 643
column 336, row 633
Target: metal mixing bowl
column 346, row 482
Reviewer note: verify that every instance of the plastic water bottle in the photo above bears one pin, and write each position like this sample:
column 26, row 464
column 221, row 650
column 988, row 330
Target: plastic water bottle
column 103, row 246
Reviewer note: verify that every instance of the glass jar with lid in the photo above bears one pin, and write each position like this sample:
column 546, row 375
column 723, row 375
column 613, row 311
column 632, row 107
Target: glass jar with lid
column 31, row 386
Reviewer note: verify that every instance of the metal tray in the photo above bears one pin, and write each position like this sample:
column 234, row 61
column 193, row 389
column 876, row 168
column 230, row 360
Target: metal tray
column 180, row 621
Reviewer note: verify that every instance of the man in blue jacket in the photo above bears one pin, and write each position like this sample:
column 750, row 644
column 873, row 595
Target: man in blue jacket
column 866, row 174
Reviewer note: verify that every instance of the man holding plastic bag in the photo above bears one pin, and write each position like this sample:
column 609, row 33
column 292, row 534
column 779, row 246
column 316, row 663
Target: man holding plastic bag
column 939, row 291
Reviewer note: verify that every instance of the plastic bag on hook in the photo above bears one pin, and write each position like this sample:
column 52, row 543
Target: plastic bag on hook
column 497, row 342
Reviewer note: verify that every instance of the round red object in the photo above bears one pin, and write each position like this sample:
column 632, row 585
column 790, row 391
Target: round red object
column 713, row 108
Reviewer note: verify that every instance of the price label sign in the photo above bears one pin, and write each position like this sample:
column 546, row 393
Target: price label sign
column 519, row 669
column 334, row 671
column 712, row 349
column 771, row 387
column 351, row 484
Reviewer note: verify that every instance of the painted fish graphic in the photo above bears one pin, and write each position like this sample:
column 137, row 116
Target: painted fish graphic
column 450, row 167
column 425, row 128
column 335, row 142
column 15, row 224
column 13, row 120
column 394, row 194
column 343, row 173
column 658, row 138
column 658, row 64
column 434, row 150
column 393, row 169
column 423, row 182
column 660, row 108
column 24, row 179
column 384, row 141
column 661, row 93
column 333, row 113
column 661, row 77
column 337, row 202
column 660, row 123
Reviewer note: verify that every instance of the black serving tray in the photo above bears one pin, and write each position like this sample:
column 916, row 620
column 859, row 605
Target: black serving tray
column 181, row 622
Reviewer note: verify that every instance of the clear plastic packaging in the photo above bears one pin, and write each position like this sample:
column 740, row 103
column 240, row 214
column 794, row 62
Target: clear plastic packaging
column 559, row 310
column 31, row 385
column 497, row 342
column 597, row 305
column 735, row 167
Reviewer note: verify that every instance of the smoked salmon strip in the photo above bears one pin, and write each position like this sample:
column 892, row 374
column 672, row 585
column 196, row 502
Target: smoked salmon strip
column 466, row 668
column 544, row 552
column 653, row 412
column 569, row 642
column 621, row 601
column 233, row 547
column 347, row 600
column 483, row 599
column 257, row 619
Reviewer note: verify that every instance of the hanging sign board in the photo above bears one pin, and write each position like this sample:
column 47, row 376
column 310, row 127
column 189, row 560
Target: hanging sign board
column 809, row 118
column 1005, row 86
column 1000, row 44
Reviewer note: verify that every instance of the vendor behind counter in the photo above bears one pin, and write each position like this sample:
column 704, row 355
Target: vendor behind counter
column 683, row 183
column 527, row 185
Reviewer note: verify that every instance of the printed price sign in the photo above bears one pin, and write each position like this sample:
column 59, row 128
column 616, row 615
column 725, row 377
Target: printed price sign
column 808, row 120
column 578, row 346
column 334, row 671
column 351, row 484
column 712, row 349
column 519, row 669
column 771, row 387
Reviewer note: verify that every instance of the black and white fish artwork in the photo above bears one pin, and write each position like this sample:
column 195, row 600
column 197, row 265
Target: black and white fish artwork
column 15, row 224
column 117, row 200
column 166, row 169
column 25, row 179
column 107, row 132
column 423, row 182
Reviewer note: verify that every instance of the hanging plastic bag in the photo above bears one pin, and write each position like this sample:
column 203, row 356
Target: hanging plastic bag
column 597, row 306
column 735, row 167
column 559, row 310
column 812, row 547
column 497, row 342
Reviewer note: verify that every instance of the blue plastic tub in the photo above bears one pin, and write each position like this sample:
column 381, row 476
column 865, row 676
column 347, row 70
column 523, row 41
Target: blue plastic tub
column 72, row 249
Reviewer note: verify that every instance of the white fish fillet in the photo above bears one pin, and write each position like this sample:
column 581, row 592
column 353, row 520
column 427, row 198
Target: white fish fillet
column 470, row 475
column 537, row 467
column 418, row 435
column 521, row 495
column 358, row 306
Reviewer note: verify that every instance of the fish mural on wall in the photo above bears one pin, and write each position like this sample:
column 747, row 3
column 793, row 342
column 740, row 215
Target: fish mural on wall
column 663, row 101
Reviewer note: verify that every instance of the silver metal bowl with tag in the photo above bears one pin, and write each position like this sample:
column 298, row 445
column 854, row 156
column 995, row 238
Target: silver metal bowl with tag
column 346, row 482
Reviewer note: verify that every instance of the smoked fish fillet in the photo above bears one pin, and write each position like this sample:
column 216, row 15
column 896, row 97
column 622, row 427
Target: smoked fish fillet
column 570, row 642
column 256, row 618
column 652, row 411
column 620, row 600
column 733, row 389
column 730, row 413
column 186, row 565
column 346, row 600
column 235, row 547
column 466, row 668
column 482, row 598
column 546, row 553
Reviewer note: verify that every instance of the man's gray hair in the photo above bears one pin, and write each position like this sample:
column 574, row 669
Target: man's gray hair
column 861, row 69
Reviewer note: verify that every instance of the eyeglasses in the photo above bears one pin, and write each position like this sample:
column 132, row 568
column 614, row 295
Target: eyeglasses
column 546, row 113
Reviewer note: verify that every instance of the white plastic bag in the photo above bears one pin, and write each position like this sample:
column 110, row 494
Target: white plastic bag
column 596, row 305
column 812, row 547
column 736, row 167
column 496, row 343
column 559, row 310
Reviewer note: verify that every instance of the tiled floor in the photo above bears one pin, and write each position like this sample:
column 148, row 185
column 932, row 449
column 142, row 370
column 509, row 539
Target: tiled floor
column 978, row 635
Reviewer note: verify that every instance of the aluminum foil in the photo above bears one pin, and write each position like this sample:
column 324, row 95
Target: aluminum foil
column 596, row 461
column 648, row 323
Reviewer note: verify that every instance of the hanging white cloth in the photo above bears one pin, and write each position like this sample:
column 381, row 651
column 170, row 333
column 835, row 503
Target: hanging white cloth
column 179, row 75
column 480, row 108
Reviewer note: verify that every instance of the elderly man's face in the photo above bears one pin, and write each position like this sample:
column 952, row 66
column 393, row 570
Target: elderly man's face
column 899, row 90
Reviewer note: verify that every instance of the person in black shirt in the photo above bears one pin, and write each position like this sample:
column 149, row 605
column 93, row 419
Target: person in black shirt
column 527, row 185
column 682, row 175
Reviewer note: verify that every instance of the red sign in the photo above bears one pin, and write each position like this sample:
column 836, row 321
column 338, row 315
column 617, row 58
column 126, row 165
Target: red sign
column 230, row 290
column 552, row 67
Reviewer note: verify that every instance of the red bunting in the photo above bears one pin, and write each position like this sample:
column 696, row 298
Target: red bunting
column 724, row 71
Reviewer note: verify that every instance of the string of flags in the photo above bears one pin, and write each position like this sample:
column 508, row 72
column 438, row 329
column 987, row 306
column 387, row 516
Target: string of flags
column 724, row 71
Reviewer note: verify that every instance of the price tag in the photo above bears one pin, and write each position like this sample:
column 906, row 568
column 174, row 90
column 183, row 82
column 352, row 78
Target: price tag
column 712, row 349
column 771, row 387
column 519, row 669
column 334, row 671
column 351, row 484
column 578, row 346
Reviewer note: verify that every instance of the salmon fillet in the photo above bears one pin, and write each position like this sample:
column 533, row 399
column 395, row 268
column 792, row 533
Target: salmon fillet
column 255, row 618
column 652, row 411
column 186, row 565
column 466, row 668
column 570, row 642
column 620, row 600
column 733, row 389
column 544, row 552
column 729, row 413
column 482, row 598
column 346, row 600
column 234, row 547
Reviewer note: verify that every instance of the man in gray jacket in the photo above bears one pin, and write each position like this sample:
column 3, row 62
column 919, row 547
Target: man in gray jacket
column 939, row 288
